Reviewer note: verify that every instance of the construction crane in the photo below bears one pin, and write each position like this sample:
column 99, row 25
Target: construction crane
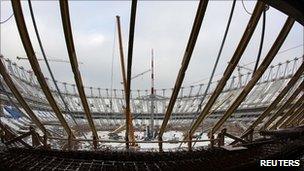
column 140, row 74
column 50, row 60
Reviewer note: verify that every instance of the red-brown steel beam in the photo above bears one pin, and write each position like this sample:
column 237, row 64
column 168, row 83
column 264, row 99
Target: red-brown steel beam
column 257, row 75
column 293, row 114
column 9, row 82
column 232, row 64
column 35, row 65
column 186, row 59
column 284, row 106
column 276, row 101
column 298, row 114
column 65, row 17
column 301, row 120
column 288, row 113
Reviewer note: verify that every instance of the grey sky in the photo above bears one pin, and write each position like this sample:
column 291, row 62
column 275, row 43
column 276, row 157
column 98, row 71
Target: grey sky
column 162, row 25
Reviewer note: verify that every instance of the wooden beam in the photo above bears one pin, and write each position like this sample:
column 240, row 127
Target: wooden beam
column 275, row 102
column 259, row 72
column 65, row 17
column 231, row 65
column 284, row 106
column 35, row 65
column 186, row 59
column 9, row 82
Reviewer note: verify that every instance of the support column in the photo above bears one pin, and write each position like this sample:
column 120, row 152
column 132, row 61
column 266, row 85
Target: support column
column 190, row 142
column 1, row 107
column 95, row 143
column 221, row 137
column 160, row 144
column 35, row 137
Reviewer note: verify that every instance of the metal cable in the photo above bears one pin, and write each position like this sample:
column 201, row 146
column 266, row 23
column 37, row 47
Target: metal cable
column 216, row 62
column 261, row 43
column 2, row 22
column 249, row 13
column 112, row 67
column 49, row 68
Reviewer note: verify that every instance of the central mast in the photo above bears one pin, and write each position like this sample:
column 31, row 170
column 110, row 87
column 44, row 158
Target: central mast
column 152, row 96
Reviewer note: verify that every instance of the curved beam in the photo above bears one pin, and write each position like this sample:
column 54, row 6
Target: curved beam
column 35, row 65
column 259, row 72
column 129, row 126
column 232, row 64
column 65, row 16
column 186, row 59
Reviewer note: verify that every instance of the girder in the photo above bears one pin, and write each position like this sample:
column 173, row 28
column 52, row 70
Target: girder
column 186, row 59
column 35, row 65
column 65, row 16
column 232, row 64
column 259, row 72
column 283, row 107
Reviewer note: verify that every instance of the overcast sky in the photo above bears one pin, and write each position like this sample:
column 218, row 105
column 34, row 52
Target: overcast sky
column 162, row 25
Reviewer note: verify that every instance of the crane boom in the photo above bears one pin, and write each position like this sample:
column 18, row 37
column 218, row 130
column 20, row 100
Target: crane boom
column 50, row 60
column 140, row 74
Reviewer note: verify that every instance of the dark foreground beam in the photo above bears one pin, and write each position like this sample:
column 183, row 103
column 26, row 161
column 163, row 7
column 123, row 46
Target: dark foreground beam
column 129, row 125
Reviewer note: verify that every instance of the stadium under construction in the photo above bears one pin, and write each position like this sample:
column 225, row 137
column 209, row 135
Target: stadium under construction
column 229, row 123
